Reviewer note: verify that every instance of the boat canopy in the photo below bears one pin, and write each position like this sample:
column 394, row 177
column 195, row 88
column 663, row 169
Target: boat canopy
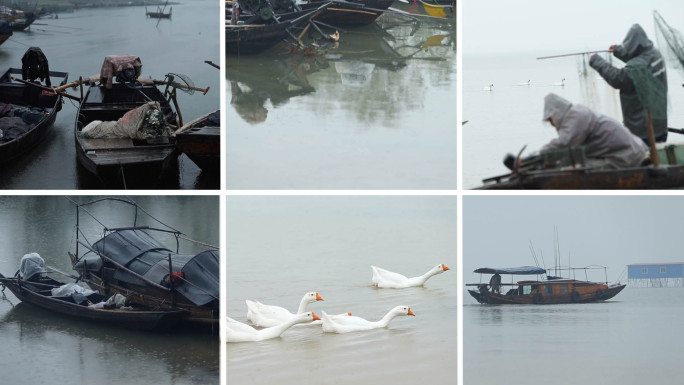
column 523, row 270
column 139, row 252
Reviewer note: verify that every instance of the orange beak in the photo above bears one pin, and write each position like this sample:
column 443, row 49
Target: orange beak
column 445, row 267
column 349, row 313
column 315, row 317
column 318, row 297
column 411, row 312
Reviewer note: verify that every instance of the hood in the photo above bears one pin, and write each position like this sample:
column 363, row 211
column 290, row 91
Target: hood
column 636, row 42
column 555, row 108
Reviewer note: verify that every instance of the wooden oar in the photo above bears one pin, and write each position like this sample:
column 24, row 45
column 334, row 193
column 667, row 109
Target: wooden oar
column 46, row 88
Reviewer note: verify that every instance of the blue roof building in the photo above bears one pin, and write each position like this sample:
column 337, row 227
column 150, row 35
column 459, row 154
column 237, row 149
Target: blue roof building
column 669, row 274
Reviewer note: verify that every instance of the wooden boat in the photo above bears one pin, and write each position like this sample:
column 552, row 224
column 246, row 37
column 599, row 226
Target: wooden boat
column 22, row 96
column 200, row 140
column 259, row 35
column 439, row 10
column 37, row 292
column 160, row 14
column 118, row 160
column 5, row 31
column 353, row 13
column 541, row 173
column 553, row 290
column 130, row 262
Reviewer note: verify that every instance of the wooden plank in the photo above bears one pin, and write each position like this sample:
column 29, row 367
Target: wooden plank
column 106, row 143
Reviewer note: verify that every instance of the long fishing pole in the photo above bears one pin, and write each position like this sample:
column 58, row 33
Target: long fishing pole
column 572, row 54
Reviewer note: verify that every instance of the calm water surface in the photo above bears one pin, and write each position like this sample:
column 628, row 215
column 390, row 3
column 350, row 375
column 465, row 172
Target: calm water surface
column 51, row 348
column 282, row 247
column 623, row 341
column 377, row 112
column 78, row 42
column 509, row 117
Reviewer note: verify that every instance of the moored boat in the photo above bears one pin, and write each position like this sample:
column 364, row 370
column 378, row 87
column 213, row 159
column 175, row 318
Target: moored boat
column 29, row 106
column 200, row 140
column 134, row 146
column 552, row 290
column 37, row 289
column 130, row 262
column 258, row 33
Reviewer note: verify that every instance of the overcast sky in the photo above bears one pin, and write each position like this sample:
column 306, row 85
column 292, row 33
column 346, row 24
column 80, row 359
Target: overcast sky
column 612, row 231
column 491, row 26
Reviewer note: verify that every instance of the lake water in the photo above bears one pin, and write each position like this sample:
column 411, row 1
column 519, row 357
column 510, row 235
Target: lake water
column 375, row 113
column 627, row 340
column 78, row 42
column 279, row 248
column 509, row 117
column 43, row 347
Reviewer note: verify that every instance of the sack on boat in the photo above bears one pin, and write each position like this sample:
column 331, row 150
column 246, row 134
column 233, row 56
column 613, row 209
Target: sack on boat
column 30, row 265
column 68, row 289
column 144, row 122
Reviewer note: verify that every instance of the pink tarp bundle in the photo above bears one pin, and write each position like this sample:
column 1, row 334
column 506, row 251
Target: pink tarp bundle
column 113, row 64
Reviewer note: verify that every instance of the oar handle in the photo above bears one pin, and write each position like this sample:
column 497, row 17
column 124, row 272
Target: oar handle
column 68, row 85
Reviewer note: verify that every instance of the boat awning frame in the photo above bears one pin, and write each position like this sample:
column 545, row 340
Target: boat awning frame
column 523, row 270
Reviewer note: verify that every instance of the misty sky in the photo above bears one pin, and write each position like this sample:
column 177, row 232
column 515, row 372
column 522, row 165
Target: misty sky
column 556, row 27
column 612, row 231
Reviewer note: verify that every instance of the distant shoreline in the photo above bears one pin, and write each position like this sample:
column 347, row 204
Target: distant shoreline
column 62, row 5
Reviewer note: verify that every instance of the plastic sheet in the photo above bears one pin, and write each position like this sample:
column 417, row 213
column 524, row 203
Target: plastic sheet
column 31, row 264
column 70, row 288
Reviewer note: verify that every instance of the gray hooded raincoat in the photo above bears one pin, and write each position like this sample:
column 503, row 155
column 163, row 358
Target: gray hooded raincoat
column 636, row 50
column 609, row 144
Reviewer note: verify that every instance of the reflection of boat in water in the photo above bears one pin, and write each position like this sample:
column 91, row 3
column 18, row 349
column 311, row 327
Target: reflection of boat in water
column 552, row 290
column 184, row 356
column 354, row 73
column 274, row 78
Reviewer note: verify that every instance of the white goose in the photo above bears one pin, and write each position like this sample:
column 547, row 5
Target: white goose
column 269, row 315
column 561, row 84
column 355, row 324
column 238, row 332
column 524, row 84
column 333, row 317
column 489, row 87
column 387, row 279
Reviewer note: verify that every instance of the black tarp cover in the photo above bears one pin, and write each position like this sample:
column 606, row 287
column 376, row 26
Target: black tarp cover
column 139, row 252
column 523, row 270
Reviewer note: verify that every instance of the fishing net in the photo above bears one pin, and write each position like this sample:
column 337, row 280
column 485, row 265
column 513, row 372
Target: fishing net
column 670, row 42
column 650, row 90
column 181, row 82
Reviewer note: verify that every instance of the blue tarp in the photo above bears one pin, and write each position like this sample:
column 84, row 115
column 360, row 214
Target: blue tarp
column 523, row 270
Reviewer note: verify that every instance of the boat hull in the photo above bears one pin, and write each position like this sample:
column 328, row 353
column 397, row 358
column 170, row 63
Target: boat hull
column 664, row 177
column 579, row 293
column 35, row 295
column 15, row 93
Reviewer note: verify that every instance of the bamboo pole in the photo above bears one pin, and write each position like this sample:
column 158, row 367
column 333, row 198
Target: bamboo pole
column 45, row 88
column 572, row 54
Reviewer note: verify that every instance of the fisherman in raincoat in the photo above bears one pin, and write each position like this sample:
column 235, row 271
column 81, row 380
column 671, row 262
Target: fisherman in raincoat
column 609, row 144
column 636, row 50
